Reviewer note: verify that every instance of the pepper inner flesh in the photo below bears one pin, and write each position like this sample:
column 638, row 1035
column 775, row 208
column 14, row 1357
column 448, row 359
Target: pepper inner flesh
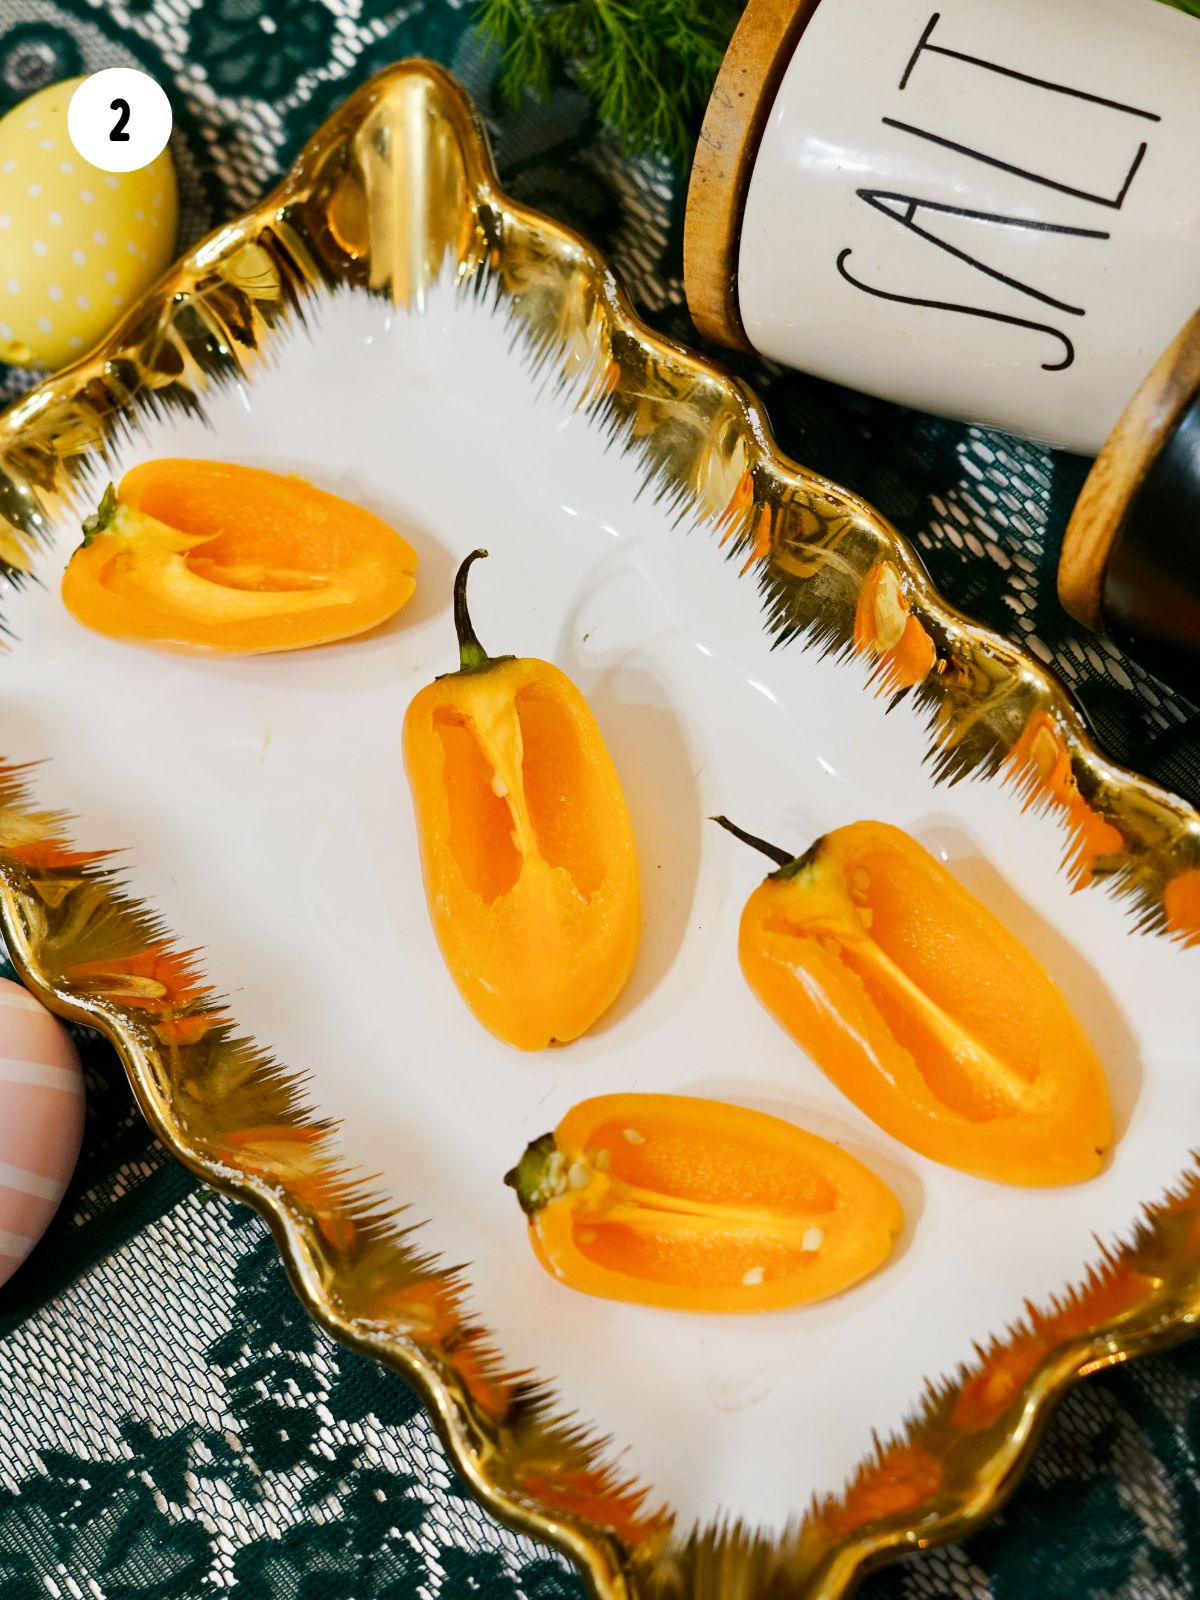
column 560, row 801
column 667, row 1159
column 980, row 984
column 481, row 822
column 682, row 1251
column 672, row 1239
column 555, row 810
column 254, row 577
column 959, row 1069
column 964, row 1053
column 164, row 566
column 243, row 559
column 315, row 540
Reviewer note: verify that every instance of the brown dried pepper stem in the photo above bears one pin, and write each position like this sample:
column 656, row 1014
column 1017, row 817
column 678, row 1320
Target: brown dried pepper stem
column 787, row 863
column 472, row 657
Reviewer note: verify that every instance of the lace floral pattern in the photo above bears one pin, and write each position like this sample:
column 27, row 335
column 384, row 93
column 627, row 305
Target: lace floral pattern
column 174, row 1424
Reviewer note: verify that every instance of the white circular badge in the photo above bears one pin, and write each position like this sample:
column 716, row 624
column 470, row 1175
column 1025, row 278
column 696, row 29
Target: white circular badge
column 119, row 119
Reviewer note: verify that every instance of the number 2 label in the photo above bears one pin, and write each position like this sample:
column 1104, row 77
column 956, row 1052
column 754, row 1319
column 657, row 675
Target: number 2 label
column 119, row 119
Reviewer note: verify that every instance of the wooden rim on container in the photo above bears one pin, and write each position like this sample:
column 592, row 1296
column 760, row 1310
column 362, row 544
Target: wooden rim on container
column 738, row 108
column 1119, row 471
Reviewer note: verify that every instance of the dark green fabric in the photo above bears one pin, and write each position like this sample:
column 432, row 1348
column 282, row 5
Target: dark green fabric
column 336, row 1490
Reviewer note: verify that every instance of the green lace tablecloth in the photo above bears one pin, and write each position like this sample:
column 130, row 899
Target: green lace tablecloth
column 171, row 1425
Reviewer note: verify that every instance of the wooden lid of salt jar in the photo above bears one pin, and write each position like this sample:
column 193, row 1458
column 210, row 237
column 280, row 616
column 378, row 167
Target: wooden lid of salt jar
column 1130, row 561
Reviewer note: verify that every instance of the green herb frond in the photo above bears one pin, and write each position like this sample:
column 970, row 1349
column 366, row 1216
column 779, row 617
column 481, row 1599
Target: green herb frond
column 647, row 65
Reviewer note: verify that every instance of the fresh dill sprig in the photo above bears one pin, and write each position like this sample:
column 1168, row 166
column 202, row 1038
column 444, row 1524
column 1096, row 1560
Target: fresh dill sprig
column 648, row 66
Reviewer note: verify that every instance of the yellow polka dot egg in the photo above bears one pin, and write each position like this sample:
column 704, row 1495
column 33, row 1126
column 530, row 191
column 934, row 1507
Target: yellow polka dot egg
column 77, row 245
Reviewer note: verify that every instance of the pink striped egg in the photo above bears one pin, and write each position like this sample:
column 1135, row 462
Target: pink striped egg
column 41, row 1121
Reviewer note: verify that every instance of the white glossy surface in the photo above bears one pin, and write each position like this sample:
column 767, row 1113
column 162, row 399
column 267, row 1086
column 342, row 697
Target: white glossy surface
column 266, row 813
column 1119, row 299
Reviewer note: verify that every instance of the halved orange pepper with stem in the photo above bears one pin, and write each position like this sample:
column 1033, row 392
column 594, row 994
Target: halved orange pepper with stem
column 526, row 845
column 924, row 1009
column 695, row 1205
column 206, row 556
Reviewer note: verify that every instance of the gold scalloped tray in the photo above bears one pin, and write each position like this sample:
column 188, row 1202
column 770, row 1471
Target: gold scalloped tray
column 397, row 196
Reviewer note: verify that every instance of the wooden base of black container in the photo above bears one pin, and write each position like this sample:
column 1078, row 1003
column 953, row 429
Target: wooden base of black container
column 1130, row 563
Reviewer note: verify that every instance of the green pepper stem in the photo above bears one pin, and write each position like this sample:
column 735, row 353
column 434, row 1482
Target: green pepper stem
column 471, row 654
column 537, row 1177
column 102, row 518
column 781, row 858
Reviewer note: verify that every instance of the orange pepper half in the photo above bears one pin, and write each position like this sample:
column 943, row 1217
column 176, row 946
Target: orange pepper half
column 695, row 1205
column 924, row 1009
column 204, row 556
column 526, row 846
